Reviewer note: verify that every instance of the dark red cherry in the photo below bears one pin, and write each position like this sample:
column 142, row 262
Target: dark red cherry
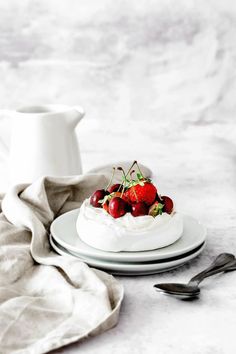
column 168, row 204
column 114, row 188
column 139, row 209
column 96, row 196
column 117, row 207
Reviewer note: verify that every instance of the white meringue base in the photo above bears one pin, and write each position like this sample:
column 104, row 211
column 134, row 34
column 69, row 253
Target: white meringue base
column 128, row 233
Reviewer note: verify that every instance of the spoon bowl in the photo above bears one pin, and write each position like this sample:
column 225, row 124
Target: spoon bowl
column 178, row 289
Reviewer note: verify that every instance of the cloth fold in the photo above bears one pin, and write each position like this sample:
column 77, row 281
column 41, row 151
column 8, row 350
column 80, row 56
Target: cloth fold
column 46, row 300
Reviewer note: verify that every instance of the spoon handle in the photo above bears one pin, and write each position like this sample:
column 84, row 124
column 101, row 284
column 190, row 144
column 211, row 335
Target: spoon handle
column 226, row 268
column 217, row 266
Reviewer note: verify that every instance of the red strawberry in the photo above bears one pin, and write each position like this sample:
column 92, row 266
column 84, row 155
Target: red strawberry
column 168, row 204
column 126, row 196
column 142, row 193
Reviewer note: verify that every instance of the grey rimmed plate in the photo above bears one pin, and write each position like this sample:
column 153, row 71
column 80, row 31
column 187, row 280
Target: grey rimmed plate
column 127, row 268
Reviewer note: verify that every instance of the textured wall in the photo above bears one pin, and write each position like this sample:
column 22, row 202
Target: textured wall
column 156, row 78
column 120, row 59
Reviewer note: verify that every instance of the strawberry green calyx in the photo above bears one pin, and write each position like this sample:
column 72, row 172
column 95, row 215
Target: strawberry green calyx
column 140, row 180
column 156, row 209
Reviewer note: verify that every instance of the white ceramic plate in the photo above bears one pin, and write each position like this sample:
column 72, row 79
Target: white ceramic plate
column 64, row 232
column 131, row 268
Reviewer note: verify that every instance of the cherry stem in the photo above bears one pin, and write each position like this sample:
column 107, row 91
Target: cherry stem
column 129, row 172
column 135, row 162
column 123, row 184
column 111, row 179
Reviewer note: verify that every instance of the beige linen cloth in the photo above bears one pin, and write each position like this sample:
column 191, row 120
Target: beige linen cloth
column 47, row 300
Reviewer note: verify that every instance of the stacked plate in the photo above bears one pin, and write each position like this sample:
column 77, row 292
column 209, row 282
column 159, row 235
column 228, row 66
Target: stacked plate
column 65, row 240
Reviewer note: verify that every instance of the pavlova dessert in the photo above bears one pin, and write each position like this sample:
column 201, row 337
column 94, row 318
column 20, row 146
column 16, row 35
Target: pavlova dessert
column 129, row 216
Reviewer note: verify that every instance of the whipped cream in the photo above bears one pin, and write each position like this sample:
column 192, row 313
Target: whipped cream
column 128, row 233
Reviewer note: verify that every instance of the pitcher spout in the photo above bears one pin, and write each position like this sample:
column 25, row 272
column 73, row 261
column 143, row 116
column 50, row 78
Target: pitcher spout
column 75, row 116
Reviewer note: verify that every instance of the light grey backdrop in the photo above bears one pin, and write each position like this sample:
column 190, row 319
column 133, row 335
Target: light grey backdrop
column 157, row 78
column 158, row 82
column 156, row 60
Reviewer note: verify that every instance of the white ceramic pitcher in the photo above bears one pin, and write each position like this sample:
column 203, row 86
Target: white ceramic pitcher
column 43, row 142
